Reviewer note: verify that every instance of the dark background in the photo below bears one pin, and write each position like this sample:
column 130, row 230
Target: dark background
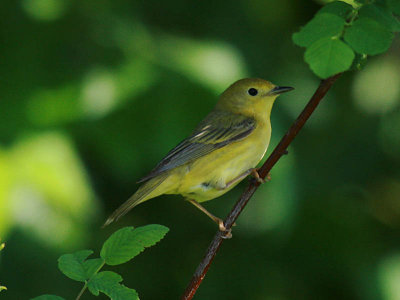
column 94, row 93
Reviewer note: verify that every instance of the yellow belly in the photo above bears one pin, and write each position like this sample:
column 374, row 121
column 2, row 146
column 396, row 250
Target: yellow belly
column 203, row 179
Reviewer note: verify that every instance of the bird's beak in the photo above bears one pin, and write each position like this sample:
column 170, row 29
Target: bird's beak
column 279, row 90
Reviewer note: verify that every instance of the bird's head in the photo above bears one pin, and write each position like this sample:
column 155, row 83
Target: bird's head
column 251, row 96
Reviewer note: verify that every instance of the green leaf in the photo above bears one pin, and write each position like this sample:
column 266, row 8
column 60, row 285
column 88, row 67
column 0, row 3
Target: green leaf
column 109, row 283
column 322, row 25
column 381, row 15
column 338, row 8
column 394, row 5
column 149, row 235
column 367, row 36
column 122, row 292
column 103, row 281
column 72, row 265
column 92, row 266
column 48, row 297
column 128, row 242
column 328, row 56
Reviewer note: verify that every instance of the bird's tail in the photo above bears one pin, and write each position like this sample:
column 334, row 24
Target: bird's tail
column 145, row 192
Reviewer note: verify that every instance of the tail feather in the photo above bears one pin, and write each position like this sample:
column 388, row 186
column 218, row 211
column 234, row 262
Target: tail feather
column 141, row 195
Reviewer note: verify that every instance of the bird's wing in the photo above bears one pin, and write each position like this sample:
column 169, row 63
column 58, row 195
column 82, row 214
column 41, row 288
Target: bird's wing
column 217, row 130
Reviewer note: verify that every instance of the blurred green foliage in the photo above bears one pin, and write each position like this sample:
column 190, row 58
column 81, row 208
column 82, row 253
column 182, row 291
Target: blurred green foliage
column 94, row 93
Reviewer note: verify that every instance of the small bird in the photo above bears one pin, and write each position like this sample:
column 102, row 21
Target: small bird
column 224, row 149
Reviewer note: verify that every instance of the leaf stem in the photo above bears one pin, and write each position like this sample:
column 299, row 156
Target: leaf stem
column 81, row 292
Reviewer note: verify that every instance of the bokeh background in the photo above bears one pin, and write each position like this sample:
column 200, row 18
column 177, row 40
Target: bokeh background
column 94, row 93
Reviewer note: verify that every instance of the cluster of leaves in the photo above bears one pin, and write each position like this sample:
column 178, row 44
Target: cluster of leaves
column 341, row 36
column 120, row 247
column 2, row 245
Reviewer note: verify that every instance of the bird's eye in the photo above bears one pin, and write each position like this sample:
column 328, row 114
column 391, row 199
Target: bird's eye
column 252, row 92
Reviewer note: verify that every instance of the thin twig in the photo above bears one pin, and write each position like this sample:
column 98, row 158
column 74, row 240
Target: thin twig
column 278, row 152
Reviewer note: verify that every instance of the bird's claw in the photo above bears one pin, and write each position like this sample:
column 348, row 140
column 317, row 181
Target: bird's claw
column 257, row 177
column 227, row 234
column 268, row 176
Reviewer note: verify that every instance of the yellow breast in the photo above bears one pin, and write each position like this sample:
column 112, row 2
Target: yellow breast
column 202, row 179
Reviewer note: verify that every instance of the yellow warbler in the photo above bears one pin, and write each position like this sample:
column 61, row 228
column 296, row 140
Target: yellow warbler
column 224, row 148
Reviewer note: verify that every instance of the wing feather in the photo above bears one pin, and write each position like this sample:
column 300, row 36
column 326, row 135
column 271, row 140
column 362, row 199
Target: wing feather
column 217, row 130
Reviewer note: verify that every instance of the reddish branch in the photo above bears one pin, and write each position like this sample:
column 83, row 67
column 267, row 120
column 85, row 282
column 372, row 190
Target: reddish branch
column 278, row 152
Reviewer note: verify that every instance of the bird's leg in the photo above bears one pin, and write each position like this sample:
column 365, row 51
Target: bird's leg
column 217, row 220
column 235, row 180
column 252, row 171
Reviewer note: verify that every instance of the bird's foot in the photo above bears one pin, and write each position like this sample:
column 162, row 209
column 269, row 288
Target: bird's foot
column 257, row 177
column 227, row 233
column 268, row 176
